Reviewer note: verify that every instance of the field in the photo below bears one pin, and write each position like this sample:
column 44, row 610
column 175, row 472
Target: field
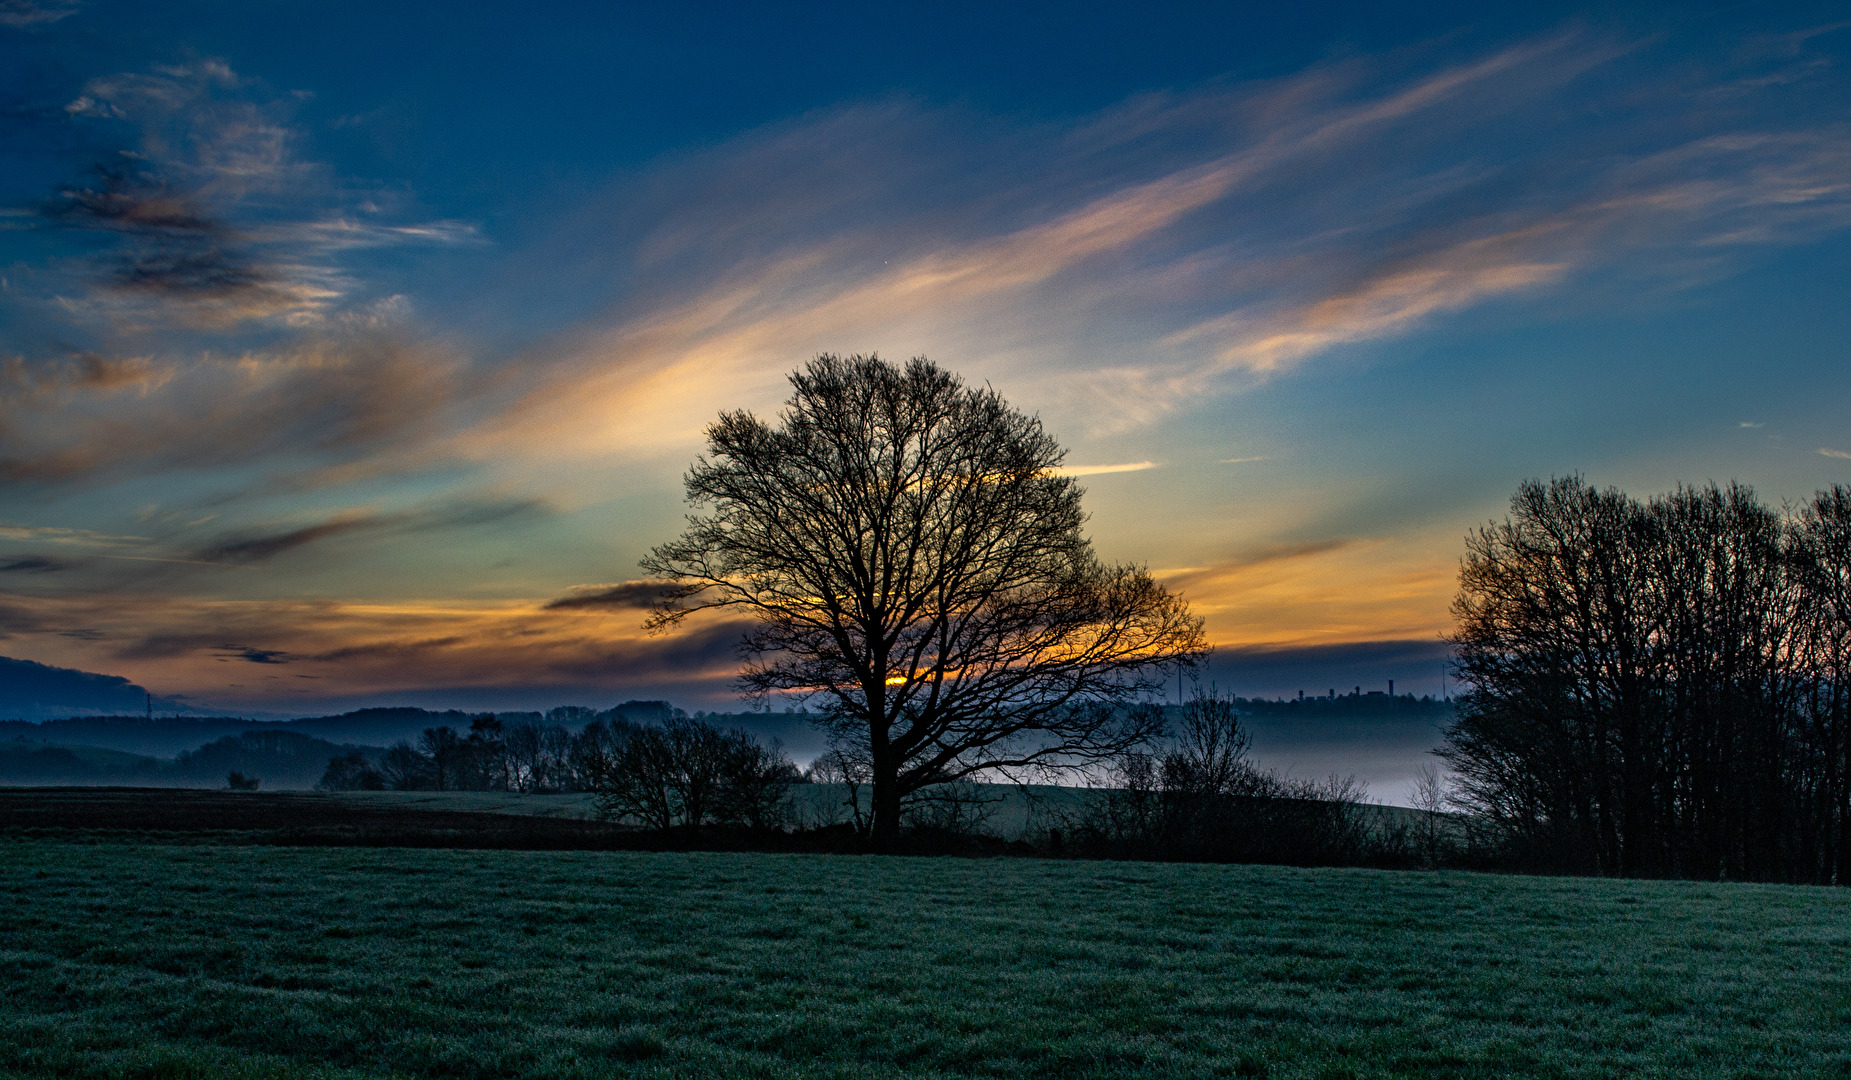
column 152, row 959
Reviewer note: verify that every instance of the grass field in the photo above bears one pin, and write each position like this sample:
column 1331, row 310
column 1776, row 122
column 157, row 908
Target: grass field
column 156, row 960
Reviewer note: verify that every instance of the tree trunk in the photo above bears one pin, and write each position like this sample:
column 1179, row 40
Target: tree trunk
column 884, row 832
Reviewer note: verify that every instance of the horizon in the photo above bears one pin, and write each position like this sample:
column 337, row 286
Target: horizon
column 350, row 370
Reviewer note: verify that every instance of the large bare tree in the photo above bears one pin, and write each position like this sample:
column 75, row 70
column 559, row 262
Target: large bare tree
column 915, row 565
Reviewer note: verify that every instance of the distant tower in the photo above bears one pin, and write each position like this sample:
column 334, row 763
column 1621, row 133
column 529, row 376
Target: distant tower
column 1358, row 692
column 1391, row 688
column 1301, row 695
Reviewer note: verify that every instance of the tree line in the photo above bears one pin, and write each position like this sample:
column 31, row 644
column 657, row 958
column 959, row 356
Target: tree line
column 1658, row 687
column 1194, row 796
column 561, row 752
column 679, row 773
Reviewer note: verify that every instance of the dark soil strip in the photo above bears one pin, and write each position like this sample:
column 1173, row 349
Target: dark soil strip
column 307, row 819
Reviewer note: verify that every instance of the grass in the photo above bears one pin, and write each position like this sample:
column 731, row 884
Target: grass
column 158, row 960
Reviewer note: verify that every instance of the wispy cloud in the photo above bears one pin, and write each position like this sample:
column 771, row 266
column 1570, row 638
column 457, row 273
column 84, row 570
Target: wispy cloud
column 59, row 535
column 1828, row 452
column 1098, row 470
column 324, row 399
column 31, row 564
column 209, row 218
column 1177, row 248
column 260, row 545
column 21, row 14
column 626, row 596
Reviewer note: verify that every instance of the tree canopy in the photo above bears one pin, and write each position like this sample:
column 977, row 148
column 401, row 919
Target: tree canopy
column 914, row 564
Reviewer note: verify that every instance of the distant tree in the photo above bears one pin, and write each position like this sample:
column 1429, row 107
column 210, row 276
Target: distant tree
column 755, row 790
column 447, row 754
column 405, row 769
column 840, row 765
column 351, row 772
column 914, row 562
column 595, row 751
column 690, row 773
column 571, row 716
column 1433, row 834
column 523, row 757
column 482, row 764
column 237, row 781
column 536, row 757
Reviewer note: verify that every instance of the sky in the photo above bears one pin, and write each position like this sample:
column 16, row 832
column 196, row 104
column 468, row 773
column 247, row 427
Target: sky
column 343, row 347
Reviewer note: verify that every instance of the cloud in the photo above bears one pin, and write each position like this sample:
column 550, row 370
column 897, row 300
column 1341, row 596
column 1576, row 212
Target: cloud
column 256, row 548
column 252, row 656
column 57, row 535
column 173, row 251
column 31, row 564
column 390, row 650
column 180, row 642
column 1321, row 590
column 1387, row 303
column 318, row 402
column 1098, row 470
column 629, row 595
column 219, row 220
column 20, row 14
column 243, row 548
column 1175, row 248
column 1827, row 452
column 1263, row 556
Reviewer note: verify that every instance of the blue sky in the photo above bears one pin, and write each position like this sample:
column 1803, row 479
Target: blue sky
column 338, row 341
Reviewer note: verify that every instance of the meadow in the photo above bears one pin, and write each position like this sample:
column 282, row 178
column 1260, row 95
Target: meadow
column 178, row 960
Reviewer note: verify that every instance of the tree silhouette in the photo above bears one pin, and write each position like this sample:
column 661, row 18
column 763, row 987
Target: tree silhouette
column 1658, row 688
column 915, row 564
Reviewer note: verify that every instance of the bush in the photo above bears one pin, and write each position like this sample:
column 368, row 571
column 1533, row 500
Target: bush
column 1201, row 799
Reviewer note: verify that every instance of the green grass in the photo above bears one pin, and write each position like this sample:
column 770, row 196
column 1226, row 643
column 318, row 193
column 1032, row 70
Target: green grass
column 194, row 960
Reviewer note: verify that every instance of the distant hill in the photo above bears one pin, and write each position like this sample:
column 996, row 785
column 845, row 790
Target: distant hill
column 168, row 736
column 163, row 736
column 375, row 727
column 40, row 763
column 283, row 760
column 34, row 691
